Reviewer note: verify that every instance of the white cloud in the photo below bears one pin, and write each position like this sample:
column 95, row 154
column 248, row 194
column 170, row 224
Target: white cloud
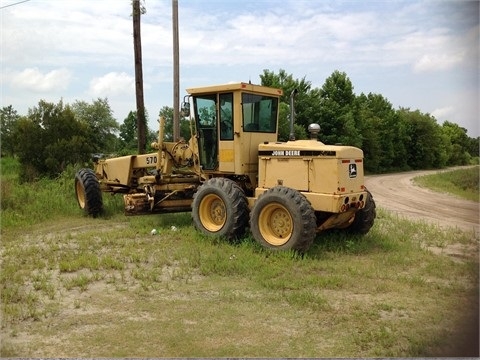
column 66, row 33
column 280, row 38
column 443, row 113
column 437, row 62
column 34, row 80
column 112, row 84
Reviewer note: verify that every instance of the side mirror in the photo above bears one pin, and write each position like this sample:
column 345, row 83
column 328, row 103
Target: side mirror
column 185, row 109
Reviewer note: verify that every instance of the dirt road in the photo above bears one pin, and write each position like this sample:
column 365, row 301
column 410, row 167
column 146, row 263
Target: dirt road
column 397, row 193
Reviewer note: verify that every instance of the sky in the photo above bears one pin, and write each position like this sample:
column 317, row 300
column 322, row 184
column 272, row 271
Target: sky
column 422, row 55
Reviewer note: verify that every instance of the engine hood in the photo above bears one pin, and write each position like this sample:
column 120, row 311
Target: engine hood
column 310, row 148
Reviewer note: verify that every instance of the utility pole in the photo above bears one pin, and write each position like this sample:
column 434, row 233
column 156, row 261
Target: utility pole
column 137, row 47
column 176, row 73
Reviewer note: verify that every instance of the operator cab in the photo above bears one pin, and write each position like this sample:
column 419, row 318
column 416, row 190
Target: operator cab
column 214, row 121
column 231, row 120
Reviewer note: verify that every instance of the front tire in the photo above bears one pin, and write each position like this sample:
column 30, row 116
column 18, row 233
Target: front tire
column 283, row 219
column 220, row 208
column 88, row 193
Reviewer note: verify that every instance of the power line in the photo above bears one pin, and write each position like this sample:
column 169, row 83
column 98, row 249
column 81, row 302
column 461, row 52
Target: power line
column 18, row 2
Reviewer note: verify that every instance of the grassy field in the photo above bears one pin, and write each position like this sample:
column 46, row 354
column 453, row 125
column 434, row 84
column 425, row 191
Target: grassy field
column 72, row 286
column 462, row 183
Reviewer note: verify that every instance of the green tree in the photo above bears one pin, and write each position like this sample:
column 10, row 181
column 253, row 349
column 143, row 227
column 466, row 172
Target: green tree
column 383, row 139
column 428, row 145
column 337, row 117
column 102, row 126
column 185, row 128
column 459, row 141
column 400, row 144
column 473, row 147
column 30, row 148
column 128, row 133
column 50, row 138
column 283, row 122
column 282, row 80
column 371, row 134
column 8, row 121
column 167, row 113
column 306, row 102
column 185, row 132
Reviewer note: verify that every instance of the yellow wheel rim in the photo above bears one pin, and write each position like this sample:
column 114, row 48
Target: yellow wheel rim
column 212, row 212
column 80, row 194
column 275, row 224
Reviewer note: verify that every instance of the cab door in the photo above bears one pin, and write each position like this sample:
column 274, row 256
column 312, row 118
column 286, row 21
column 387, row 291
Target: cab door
column 207, row 125
column 226, row 154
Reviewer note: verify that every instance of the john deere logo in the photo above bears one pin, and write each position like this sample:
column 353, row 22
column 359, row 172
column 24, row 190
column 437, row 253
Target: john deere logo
column 352, row 170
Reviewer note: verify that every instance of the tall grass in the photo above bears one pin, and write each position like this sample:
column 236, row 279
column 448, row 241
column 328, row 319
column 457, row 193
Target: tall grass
column 29, row 203
column 460, row 182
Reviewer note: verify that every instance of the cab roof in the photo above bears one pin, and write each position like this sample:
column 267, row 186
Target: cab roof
column 235, row 87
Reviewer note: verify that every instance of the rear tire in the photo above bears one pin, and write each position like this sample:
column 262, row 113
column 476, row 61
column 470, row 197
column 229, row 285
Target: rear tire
column 88, row 193
column 220, row 208
column 364, row 218
column 283, row 219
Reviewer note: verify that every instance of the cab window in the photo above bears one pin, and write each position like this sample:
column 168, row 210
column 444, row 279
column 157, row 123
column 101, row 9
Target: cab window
column 206, row 115
column 259, row 113
column 226, row 116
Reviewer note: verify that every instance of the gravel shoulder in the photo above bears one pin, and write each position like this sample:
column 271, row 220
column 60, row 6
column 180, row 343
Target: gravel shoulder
column 398, row 194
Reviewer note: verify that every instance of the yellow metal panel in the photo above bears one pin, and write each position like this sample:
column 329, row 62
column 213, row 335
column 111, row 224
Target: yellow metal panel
column 146, row 160
column 323, row 175
column 227, row 158
column 291, row 172
column 324, row 202
column 119, row 169
column 246, row 151
column 340, row 179
column 235, row 87
column 226, row 155
column 332, row 203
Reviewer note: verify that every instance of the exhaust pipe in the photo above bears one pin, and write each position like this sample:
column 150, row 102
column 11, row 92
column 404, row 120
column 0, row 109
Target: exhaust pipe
column 161, row 134
column 292, row 114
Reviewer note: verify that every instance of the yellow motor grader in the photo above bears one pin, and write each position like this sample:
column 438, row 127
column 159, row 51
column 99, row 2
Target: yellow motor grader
column 233, row 174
